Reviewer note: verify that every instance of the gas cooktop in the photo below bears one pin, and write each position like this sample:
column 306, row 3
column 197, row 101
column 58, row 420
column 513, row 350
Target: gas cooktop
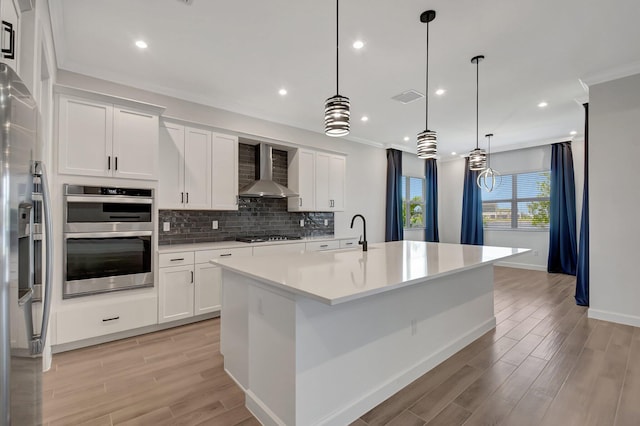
column 267, row 238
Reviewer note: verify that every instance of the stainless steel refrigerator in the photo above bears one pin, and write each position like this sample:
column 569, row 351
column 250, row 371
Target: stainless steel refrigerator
column 24, row 309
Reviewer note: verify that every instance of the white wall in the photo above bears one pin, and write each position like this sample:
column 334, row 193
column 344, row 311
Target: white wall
column 614, row 149
column 366, row 165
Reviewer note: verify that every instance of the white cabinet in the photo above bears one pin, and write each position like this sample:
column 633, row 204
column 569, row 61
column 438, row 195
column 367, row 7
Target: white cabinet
column 330, row 182
column 10, row 34
column 107, row 316
column 98, row 138
column 224, row 173
column 199, row 169
column 319, row 178
column 189, row 285
column 301, row 179
column 185, row 175
column 323, row 245
column 176, row 286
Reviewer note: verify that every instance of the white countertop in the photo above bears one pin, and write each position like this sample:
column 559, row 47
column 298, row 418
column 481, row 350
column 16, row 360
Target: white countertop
column 339, row 276
column 176, row 248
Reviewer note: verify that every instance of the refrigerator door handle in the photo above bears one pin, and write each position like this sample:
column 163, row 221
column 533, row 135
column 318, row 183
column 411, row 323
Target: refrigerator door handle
column 38, row 340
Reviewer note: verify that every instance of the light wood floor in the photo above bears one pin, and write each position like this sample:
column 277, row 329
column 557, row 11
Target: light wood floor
column 546, row 363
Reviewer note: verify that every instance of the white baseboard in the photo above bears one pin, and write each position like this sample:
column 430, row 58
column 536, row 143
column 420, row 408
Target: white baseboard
column 631, row 320
column 528, row 266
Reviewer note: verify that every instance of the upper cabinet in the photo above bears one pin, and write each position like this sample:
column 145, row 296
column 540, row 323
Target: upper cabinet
column 198, row 169
column 319, row 178
column 224, row 172
column 101, row 138
column 10, row 33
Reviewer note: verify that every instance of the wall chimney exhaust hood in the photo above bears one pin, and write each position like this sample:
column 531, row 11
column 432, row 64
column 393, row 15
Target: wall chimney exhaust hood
column 264, row 186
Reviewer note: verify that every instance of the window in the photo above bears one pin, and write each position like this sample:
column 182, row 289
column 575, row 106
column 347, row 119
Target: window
column 520, row 202
column 413, row 201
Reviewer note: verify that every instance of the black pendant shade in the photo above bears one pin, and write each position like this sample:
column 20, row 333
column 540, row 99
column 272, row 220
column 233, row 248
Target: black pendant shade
column 477, row 157
column 336, row 108
column 427, row 139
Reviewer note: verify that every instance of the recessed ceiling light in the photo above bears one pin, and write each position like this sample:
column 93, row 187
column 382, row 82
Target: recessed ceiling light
column 573, row 132
column 406, row 138
column 364, row 118
column 358, row 44
column 141, row 44
column 542, row 104
column 282, row 92
column 440, row 92
column 453, row 153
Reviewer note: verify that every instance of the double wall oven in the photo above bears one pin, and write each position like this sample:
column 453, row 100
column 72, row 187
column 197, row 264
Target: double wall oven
column 108, row 239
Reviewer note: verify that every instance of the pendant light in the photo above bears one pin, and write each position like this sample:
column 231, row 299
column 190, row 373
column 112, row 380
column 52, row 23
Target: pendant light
column 427, row 140
column 489, row 179
column 336, row 108
column 477, row 157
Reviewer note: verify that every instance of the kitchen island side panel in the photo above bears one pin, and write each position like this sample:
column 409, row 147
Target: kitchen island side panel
column 303, row 362
column 352, row 356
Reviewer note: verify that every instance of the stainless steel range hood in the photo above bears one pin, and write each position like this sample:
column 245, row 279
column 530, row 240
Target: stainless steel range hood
column 264, row 186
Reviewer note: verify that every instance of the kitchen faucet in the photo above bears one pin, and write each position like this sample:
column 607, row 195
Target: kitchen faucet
column 364, row 227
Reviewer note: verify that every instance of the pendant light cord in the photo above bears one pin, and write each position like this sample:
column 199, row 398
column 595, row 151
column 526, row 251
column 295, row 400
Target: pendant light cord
column 488, row 152
column 477, row 97
column 426, row 115
column 337, row 47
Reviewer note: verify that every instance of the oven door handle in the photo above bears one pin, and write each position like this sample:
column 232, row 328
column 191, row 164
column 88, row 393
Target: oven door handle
column 37, row 341
column 83, row 235
column 111, row 199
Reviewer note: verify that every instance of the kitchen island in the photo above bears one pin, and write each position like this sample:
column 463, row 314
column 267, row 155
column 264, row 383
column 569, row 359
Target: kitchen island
column 319, row 338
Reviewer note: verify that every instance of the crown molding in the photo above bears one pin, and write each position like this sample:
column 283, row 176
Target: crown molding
column 612, row 74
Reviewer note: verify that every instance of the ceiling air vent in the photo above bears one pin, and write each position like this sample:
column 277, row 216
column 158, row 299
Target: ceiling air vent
column 408, row 96
column 187, row 2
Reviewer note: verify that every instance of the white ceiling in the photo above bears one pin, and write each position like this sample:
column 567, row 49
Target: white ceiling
column 237, row 54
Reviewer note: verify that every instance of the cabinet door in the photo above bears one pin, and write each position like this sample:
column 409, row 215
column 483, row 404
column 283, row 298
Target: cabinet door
column 176, row 293
column 171, row 176
column 135, row 144
column 323, row 203
column 302, row 169
column 85, row 137
column 337, row 169
column 207, row 289
column 224, row 171
column 197, row 169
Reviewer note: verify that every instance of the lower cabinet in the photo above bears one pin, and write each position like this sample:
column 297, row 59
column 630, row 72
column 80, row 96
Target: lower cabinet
column 105, row 317
column 193, row 286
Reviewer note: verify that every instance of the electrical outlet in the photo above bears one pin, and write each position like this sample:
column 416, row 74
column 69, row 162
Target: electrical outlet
column 302, row 223
column 214, row 224
column 326, row 222
column 166, row 226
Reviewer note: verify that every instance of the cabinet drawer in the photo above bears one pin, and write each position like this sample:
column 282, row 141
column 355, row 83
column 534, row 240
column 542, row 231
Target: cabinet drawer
column 203, row 256
column 323, row 245
column 92, row 321
column 350, row 243
column 279, row 249
column 175, row 259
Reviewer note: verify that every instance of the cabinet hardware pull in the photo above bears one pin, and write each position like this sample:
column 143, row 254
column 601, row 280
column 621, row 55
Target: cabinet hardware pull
column 324, row 246
column 109, row 163
column 111, row 319
column 116, row 158
column 191, row 277
column 177, row 259
column 182, row 198
column 226, row 254
column 348, row 244
column 187, row 198
column 300, row 202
